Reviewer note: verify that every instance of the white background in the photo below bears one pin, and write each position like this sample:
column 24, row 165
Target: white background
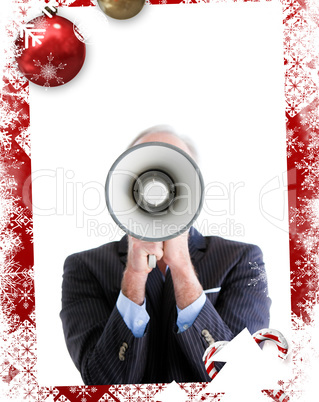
column 212, row 71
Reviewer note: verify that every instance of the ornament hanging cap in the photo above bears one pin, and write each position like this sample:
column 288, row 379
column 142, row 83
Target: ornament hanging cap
column 50, row 11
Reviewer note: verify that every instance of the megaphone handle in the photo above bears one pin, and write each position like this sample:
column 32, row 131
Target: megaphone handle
column 152, row 261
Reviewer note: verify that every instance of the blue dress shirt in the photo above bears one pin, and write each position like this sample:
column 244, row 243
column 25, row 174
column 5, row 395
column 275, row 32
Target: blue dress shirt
column 136, row 317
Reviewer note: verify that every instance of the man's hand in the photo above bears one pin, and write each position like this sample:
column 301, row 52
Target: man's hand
column 137, row 269
column 173, row 253
column 186, row 285
column 176, row 254
column 138, row 252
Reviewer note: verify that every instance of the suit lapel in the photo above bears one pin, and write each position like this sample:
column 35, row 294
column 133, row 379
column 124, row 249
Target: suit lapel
column 196, row 245
column 122, row 249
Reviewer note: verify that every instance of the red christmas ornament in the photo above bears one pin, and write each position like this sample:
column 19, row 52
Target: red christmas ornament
column 49, row 52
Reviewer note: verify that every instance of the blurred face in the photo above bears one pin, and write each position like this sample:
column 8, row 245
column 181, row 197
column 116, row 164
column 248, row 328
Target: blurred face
column 168, row 138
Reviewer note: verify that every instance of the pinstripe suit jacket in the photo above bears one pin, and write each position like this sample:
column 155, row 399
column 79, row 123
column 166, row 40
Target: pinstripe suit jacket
column 95, row 331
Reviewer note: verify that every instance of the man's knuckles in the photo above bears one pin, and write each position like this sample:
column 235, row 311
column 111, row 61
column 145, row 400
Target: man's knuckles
column 142, row 248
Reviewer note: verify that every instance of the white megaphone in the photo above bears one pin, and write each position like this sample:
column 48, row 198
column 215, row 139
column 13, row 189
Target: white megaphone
column 154, row 192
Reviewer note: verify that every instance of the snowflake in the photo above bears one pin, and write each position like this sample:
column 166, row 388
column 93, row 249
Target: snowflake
column 308, row 265
column 292, row 141
column 83, row 391
column 16, row 79
column 309, row 168
column 49, row 71
column 106, row 398
column 311, row 283
column 261, row 274
column 29, row 231
column 5, row 140
column 137, row 389
column 9, row 281
column 10, row 242
column 116, row 390
column 26, row 295
column 311, row 119
column 23, row 11
column 313, row 142
column 23, row 139
column 310, row 183
column 40, row 22
column 312, row 294
column 192, row 389
column 8, row 116
column 20, row 217
column 30, row 390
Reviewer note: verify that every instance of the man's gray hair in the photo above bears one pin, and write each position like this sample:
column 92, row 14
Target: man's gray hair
column 162, row 128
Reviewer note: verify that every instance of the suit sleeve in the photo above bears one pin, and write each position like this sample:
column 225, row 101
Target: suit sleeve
column 242, row 303
column 101, row 345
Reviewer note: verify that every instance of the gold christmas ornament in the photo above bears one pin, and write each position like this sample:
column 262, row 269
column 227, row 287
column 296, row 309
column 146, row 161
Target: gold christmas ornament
column 121, row 9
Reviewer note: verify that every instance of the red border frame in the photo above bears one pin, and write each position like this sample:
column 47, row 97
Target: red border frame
column 18, row 347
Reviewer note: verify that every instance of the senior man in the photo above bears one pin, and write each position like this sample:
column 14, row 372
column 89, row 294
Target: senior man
column 126, row 323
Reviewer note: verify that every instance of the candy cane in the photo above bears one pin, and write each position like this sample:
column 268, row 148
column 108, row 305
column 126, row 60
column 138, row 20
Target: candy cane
column 277, row 395
column 282, row 346
column 259, row 336
column 208, row 357
column 275, row 336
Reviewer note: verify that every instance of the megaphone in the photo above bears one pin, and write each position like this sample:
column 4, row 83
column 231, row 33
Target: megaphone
column 154, row 192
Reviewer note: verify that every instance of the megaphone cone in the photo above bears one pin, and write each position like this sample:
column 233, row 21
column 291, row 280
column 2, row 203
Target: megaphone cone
column 154, row 191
